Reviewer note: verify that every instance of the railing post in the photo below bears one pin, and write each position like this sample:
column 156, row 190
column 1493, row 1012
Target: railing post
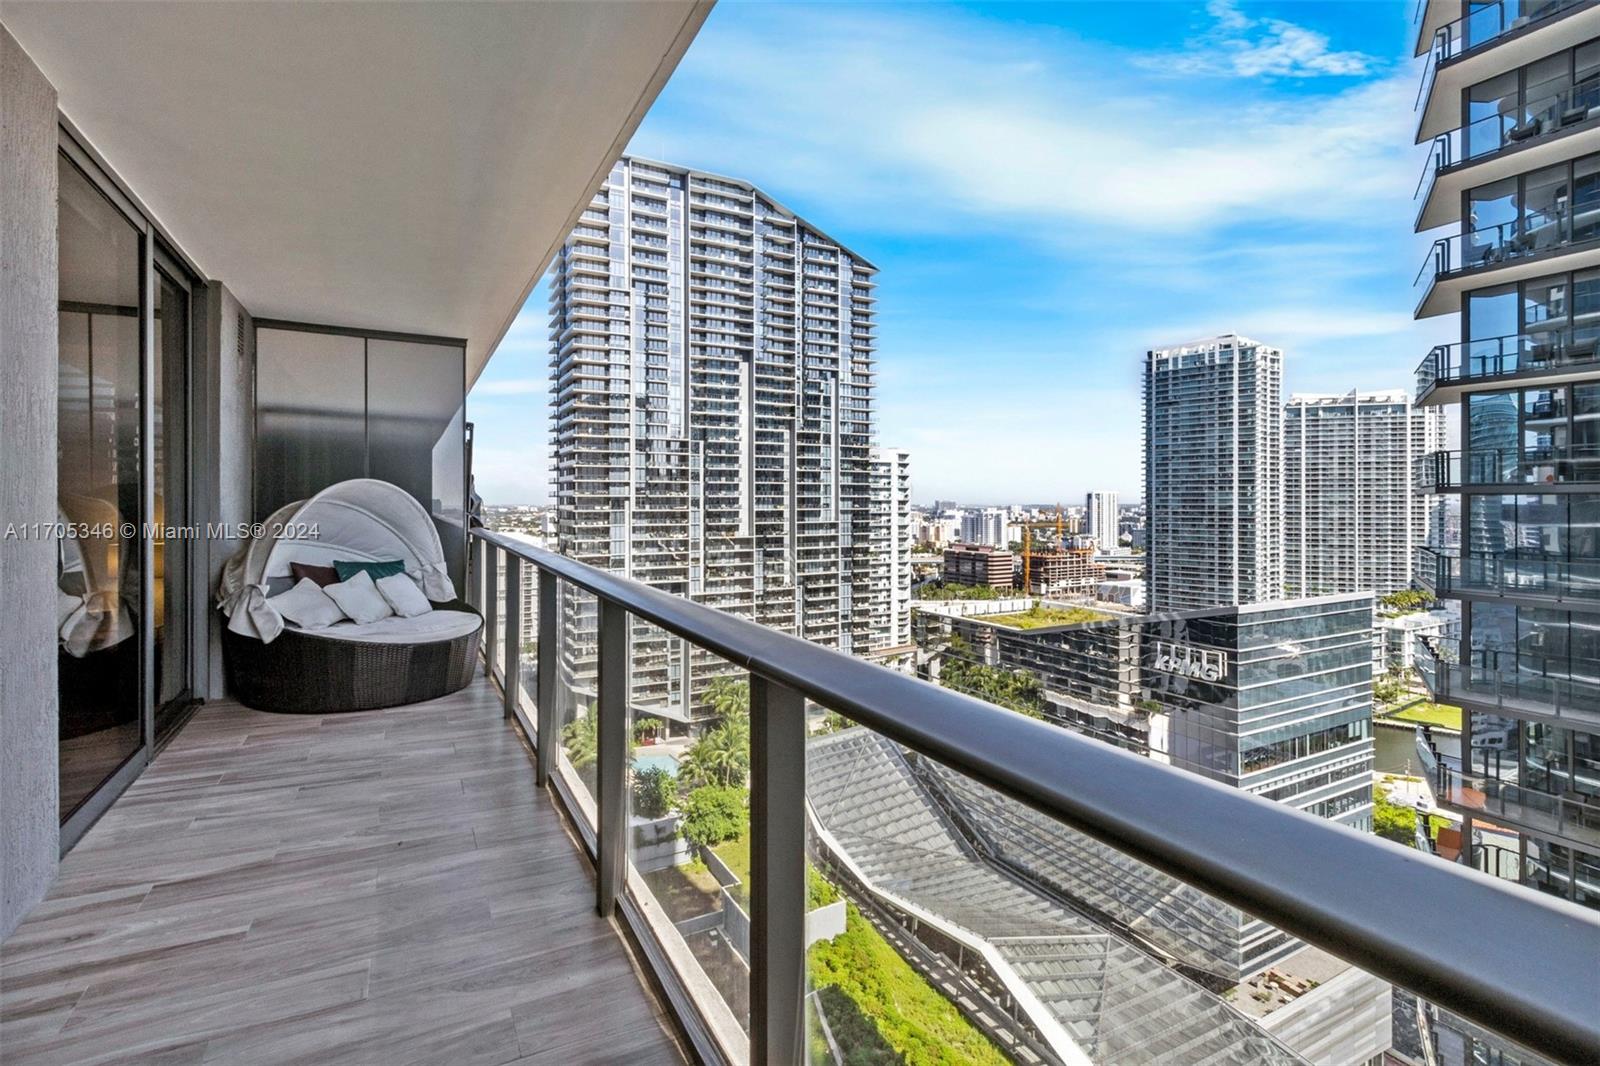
column 491, row 608
column 548, row 741
column 611, row 804
column 513, row 627
column 778, row 870
column 475, row 575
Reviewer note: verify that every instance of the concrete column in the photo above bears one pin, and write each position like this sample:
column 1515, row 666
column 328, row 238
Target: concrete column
column 29, row 795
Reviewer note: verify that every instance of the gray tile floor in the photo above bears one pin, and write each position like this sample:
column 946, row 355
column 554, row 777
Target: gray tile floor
column 385, row 887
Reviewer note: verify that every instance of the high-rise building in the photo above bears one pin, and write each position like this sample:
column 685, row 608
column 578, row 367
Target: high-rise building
column 891, row 473
column 1101, row 512
column 986, row 525
column 712, row 360
column 1351, row 520
column 1213, row 472
column 1517, row 265
column 1510, row 106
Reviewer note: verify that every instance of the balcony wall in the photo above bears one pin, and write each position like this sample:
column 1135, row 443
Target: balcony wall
column 28, row 798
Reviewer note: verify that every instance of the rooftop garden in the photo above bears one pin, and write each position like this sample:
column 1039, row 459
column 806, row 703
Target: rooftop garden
column 1406, row 601
column 940, row 590
column 1039, row 617
column 883, row 1011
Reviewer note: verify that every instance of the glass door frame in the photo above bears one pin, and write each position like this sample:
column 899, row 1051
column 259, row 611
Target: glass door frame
column 163, row 264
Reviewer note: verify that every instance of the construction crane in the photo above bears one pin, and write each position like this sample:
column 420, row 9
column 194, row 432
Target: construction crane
column 1027, row 546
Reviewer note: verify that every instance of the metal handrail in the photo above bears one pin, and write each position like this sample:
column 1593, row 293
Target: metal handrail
column 1527, row 970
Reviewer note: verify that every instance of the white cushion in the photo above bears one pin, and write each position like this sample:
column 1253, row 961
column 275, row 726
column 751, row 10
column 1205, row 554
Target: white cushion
column 423, row 629
column 307, row 606
column 403, row 595
column 360, row 599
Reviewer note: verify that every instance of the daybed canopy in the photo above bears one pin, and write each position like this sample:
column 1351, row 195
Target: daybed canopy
column 363, row 520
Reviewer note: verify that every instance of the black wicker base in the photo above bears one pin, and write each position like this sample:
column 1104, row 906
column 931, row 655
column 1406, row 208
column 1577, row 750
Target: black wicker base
column 303, row 673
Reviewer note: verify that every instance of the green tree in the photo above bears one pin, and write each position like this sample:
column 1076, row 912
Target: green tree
column 713, row 814
column 1391, row 686
column 654, row 791
column 1406, row 601
column 1017, row 690
column 581, row 738
column 1393, row 821
column 729, row 697
column 720, row 757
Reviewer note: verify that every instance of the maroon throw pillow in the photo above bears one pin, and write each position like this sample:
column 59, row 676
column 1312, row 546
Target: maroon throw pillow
column 322, row 575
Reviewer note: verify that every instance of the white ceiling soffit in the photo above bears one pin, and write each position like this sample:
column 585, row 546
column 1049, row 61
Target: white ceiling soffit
column 408, row 167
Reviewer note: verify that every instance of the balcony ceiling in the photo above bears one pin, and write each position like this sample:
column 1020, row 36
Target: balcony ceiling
column 1434, row 15
column 402, row 167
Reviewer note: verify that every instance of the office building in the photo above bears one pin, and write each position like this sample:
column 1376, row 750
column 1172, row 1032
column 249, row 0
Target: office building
column 712, row 361
column 1100, row 519
column 1213, row 471
column 1516, row 265
column 1274, row 699
column 891, row 505
column 979, row 564
column 1351, row 520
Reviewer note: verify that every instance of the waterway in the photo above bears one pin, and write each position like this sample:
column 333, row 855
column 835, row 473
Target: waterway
column 1397, row 749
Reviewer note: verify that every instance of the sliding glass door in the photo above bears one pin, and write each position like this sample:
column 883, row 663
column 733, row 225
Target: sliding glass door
column 100, row 558
column 126, row 603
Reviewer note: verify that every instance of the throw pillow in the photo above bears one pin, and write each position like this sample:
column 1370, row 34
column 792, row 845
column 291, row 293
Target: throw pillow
column 307, row 606
column 360, row 599
column 348, row 570
column 322, row 575
column 403, row 595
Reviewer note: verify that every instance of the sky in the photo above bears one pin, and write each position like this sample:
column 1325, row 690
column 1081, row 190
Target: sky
column 1049, row 190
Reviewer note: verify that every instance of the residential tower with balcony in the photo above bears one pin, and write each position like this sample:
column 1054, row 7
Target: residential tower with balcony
column 1510, row 103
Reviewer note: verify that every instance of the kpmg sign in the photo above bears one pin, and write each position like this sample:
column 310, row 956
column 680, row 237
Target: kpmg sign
column 1207, row 664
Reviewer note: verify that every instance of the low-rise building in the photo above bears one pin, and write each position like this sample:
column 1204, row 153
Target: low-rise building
column 979, row 564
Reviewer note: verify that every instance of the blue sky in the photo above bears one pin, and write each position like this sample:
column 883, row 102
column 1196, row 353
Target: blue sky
column 1049, row 190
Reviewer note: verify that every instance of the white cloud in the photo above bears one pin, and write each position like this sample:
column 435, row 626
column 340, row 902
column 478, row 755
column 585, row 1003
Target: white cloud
column 988, row 124
column 511, row 386
column 1240, row 46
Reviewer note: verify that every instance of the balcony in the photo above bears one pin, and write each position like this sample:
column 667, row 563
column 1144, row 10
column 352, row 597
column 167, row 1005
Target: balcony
column 867, row 791
column 1545, row 131
column 1548, row 357
column 1490, row 39
column 387, row 886
column 1511, row 682
column 1572, row 816
column 1522, row 576
column 1511, row 251
column 1532, row 466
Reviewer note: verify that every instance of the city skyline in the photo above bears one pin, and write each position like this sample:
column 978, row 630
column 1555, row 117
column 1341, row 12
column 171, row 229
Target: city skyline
column 1326, row 84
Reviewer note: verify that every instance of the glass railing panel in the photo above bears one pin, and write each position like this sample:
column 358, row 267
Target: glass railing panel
column 943, row 914
column 494, row 627
column 576, row 695
column 1528, row 575
column 689, row 818
column 1535, row 352
column 528, row 645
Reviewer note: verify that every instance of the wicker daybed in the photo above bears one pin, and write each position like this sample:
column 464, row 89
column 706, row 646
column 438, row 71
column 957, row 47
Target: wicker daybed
column 272, row 665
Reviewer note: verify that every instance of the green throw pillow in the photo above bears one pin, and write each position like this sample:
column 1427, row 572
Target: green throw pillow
column 348, row 570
